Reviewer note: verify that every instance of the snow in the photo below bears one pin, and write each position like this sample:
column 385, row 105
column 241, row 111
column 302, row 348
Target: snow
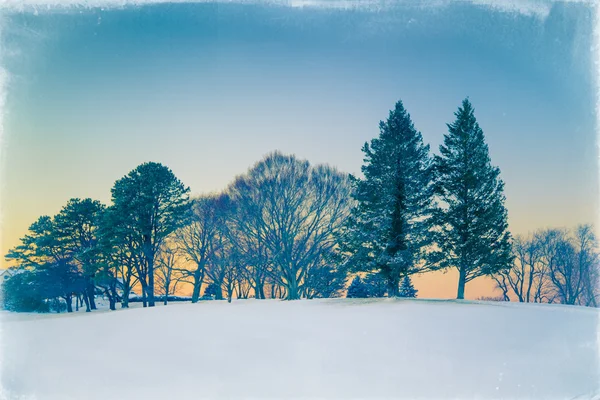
column 309, row 349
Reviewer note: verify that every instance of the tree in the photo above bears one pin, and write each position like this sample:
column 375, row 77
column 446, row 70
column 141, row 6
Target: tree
column 167, row 277
column 76, row 227
column 197, row 239
column 222, row 258
column 527, row 278
column 389, row 230
column 572, row 263
column 589, row 260
column 473, row 234
column 42, row 254
column 288, row 214
column 152, row 203
column 357, row 289
column 407, row 289
column 247, row 234
column 120, row 255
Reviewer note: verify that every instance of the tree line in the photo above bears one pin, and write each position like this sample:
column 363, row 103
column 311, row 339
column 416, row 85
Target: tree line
column 553, row 266
column 288, row 229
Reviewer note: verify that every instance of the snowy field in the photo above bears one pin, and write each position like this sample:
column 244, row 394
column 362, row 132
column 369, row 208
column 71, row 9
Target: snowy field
column 317, row 349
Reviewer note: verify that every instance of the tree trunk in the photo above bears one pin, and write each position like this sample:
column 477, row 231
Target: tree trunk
column 144, row 295
column 77, row 303
column 530, row 283
column 196, row 292
column 219, row 291
column 125, row 300
column 150, row 282
column 144, row 292
column 292, row 289
column 69, row 301
column 86, row 300
column 90, row 293
column 393, row 286
column 111, row 301
column 462, row 275
column 260, row 290
column 198, row 278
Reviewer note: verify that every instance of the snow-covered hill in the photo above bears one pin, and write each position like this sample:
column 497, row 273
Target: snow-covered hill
column 317, row 349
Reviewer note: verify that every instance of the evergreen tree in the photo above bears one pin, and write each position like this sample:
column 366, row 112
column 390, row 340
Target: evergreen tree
column 376, row 285
column 407, row 289
column 357, row 289
column 473, row 227
column 389, row 230
column 48, row 263
column 77, row 229
column 149, row 204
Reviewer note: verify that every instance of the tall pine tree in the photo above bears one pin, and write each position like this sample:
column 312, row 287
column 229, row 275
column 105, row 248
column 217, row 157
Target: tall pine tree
column 389, row 230
column 473, row 227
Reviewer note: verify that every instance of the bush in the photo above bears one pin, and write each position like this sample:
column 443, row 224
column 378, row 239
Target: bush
column 57, row 305
column 211, row 290
column 486, row 298
column 22, row 292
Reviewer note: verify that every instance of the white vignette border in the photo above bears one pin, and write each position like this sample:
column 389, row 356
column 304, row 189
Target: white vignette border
column 536, row 8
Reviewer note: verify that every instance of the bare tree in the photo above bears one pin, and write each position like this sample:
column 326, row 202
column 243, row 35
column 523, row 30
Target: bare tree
column 197, row 239
column 247, row 232
column 167, row 276
column 524, row 275
column 289, row 212
column 587, row 260
column 223, row 261
column 559, row 256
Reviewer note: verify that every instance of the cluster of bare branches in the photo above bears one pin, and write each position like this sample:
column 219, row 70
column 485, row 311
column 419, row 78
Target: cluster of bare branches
column 554, row 266
column 272, row 233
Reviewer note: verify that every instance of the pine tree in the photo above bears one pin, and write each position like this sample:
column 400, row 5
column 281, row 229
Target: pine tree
column 357, row 289
column 389, row 230
column 473, row 227
column 407, row 289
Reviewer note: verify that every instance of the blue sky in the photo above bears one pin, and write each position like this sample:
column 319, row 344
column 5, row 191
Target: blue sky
column 208, row 89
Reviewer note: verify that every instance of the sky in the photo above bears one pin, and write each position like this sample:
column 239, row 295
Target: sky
column 209, row 89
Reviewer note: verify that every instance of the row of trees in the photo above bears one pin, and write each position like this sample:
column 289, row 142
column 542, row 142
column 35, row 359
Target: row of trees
column 553, row 266
column 284, row 229
column 416, row 213
column 271, row 233
column 88, row 247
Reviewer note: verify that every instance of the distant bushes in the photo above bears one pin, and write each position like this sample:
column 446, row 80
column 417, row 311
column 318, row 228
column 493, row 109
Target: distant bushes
column 139, row 299
column 21, row 292
column 496, row 298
